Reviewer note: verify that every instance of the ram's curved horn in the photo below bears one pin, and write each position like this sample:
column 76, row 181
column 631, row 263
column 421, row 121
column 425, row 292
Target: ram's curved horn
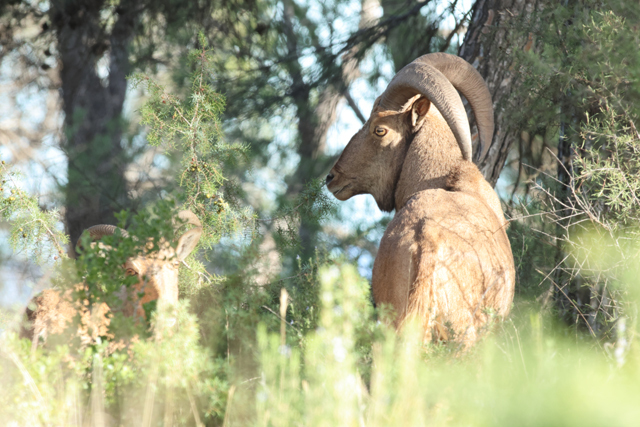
column 436, row 76
column 97, row 231
column 466, row 79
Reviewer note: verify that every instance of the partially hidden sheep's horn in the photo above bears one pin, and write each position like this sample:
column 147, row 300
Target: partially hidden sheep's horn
column 437, row 76
column 96, row 232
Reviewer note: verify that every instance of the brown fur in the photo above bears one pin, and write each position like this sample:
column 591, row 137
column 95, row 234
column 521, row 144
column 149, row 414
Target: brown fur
column 51, row 312
column 445, row 258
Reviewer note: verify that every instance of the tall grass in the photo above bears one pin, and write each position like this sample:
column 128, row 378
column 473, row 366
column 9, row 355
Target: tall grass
column 528, row 372
column 351, row 370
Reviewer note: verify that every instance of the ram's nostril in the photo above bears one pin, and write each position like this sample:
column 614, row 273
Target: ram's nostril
column 329, row 178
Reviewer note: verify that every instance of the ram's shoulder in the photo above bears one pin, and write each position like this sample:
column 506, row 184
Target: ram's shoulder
column 466, row 178
column 441, row 212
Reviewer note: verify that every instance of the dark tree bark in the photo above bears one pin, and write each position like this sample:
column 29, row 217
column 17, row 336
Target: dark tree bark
column 96, row 187
column 495, row 30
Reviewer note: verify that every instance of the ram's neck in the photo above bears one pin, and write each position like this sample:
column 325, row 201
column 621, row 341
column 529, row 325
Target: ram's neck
column 432, row 155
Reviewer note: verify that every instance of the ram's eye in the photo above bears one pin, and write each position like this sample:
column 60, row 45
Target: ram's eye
column 131, row 272
column 380, row 131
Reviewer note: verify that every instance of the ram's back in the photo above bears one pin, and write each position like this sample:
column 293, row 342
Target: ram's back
column 445, row 259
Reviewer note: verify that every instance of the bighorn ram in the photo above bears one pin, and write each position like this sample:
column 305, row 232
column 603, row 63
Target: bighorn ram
column 445, row 257
column 157, row 273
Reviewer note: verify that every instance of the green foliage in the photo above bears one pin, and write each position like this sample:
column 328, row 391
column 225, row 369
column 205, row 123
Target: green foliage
column 311, row 205
column 193, row 127
column 533, row 247
column 171, row 366
column 217, row 358
column 578, row 95
column 348, row 370
column 526, row 374
column 329, row 357
column 147, row 233
column 607, row 171
column 34, row 231
column 168, row 378
column 584, row 67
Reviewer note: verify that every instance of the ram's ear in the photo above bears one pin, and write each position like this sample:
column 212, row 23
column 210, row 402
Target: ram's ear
column 419, row 111
column 187, row 243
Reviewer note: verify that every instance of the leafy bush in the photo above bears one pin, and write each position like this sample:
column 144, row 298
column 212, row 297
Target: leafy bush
column 308, row 348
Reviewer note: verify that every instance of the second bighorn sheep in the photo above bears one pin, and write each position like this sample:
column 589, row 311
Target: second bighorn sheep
column 157, row 272
column 445, row 258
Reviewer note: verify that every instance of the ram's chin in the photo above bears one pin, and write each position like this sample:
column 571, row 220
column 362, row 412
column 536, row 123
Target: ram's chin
column 341, row 193
column 343, row 196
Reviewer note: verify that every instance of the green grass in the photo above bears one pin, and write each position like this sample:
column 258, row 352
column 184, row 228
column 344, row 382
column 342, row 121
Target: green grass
column 349, row 371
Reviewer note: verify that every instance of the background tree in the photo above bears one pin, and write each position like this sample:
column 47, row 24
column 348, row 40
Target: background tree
column 498, row 29
column 91, row 48
column 303, row 344
column 556, row 79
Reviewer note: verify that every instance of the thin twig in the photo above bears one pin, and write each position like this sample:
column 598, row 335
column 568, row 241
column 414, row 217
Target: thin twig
column 232, row 390
column 278, row 316
column 524, row 365
column 194, row 408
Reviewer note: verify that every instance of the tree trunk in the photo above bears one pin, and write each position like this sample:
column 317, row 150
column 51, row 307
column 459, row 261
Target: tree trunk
column 96, row 186
column 496, row 28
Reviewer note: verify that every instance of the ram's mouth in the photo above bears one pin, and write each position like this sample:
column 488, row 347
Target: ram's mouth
column 337, row 191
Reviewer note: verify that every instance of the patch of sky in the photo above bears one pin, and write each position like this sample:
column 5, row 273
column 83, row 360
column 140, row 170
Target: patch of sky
column 449, row 23
column 263, row 188
column 504, row 185
column 161, row 161
column 359, row 212
column 41, row 176
column 27, row 104
column 132, row 100
column 336, row 22
column 139, row 141
column 31, row 99
column 365, row 265
column 308, row 63
column 378, row 61
column 102, row 69
column 343, row 129
column 46, row 172
column 281, row 154
column 44, row 6
column 364, row 260
column 41, row 163
column 19, row 278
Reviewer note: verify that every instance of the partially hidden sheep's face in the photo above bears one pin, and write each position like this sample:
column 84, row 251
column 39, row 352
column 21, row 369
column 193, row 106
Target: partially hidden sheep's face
column 157, row 271
column 372, row 161
column 157, row 274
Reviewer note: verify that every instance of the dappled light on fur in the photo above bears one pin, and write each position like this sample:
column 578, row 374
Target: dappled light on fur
column 445, row 258
column 156, row 271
